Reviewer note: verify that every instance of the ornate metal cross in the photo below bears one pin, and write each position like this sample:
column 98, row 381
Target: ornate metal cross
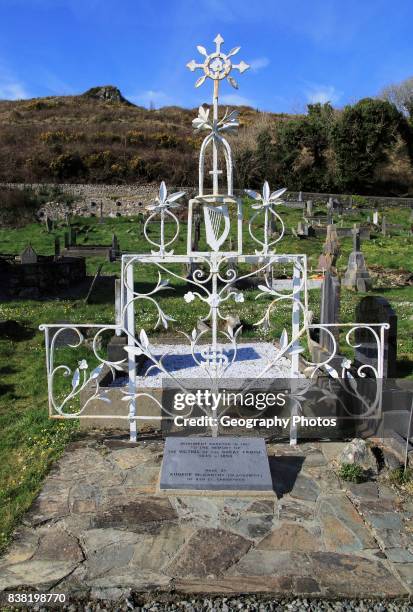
column 217, row 66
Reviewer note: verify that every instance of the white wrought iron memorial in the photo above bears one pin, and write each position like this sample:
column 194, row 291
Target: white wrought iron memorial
column 213, row 282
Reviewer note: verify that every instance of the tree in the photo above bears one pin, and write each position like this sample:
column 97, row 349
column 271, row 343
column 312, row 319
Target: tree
column 301, row 149
column 401, row 95
column 361, row 138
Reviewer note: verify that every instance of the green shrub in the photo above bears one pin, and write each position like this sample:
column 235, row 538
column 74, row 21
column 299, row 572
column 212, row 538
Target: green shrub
column 17, row 207
column 67, row 166
column 351, row 472
column 401, row 476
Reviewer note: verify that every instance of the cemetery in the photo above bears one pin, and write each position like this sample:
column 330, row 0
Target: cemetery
column 133, row 467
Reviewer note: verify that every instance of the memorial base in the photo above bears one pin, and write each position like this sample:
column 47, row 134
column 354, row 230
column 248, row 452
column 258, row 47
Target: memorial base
column 221, row 466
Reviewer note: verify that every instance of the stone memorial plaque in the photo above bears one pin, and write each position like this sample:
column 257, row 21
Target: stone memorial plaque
column 216, row 464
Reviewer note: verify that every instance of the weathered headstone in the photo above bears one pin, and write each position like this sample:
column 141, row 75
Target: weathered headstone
column 330, row 309
column 331, row 249
column 72, row 236
column 376, row 309
column 384, row 226
column 302, row 229
column 28, row 255
column 330, row 211
column 49, row 224
column 338, row 205
column 357, row 276
column 215, row 464
column 57, row 246
column 309, row 208
column 63, row 337
column 356, row 239
column 375, row 217
column 115, row 246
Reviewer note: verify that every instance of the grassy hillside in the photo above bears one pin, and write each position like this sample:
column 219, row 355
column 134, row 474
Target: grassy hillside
column 365, row 148
column 88, row 138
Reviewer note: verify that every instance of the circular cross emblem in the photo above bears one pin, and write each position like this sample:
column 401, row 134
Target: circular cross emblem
column 217, row 66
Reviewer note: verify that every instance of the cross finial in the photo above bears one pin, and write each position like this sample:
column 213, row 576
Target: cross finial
column 356, row 238
column 218, row 40
column 217, row 65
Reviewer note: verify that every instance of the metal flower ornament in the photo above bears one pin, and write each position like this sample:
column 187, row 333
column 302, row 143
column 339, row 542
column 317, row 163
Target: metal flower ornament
column 265, row 203
column 162, row 206
column 228, row 122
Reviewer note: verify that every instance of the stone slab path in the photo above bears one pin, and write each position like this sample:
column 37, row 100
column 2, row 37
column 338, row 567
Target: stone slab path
column 99, row 524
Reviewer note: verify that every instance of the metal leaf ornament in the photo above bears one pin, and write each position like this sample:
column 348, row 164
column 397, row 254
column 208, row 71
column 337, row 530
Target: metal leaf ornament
column 267, row 199
column 164, row 201
column 202, row 50
column 201, row 122
column 232, row 82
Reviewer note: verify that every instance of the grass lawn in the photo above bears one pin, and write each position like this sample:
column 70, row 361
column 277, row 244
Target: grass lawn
column 30, row 442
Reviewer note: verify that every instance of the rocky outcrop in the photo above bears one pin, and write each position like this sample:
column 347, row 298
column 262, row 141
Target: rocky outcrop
column 106, row 93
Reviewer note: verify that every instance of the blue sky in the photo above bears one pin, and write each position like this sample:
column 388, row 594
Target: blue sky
column 300, row 50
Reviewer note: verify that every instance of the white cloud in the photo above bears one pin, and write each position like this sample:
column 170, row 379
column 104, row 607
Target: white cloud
column 54, row 84
column 11, row 88
column 150, row 97
column 322, row 93
column 236, row 100
column 259, row 63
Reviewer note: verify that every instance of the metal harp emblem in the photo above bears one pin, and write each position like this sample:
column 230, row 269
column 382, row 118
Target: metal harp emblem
column 214, row 215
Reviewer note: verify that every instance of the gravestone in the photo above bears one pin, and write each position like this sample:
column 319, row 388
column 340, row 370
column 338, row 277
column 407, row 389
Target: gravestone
column 330, row 309
column 57, row 246
column 115, row 248
column 338, row 206
column 376, row 217
column 215, row 464
column 331, row 249
column 384, row 226
column 115, row 243
column 330, row 218
column 309, row 208
column 64, row 336
column 193, row 266
column 357, row 276
column 376, row 309
column 117, row 343
column 302, row 229
column 49, row 225
column 72, row 236
column 28, row 255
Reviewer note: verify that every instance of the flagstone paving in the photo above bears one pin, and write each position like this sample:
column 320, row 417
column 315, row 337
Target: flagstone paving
column 100, row 523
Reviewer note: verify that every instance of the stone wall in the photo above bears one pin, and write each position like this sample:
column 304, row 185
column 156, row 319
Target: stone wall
column 95, row 200
column 125, row 200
